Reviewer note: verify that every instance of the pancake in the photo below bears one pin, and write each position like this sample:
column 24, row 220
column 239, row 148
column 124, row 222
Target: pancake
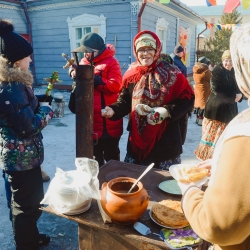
column 192, row 174
column 169, row 213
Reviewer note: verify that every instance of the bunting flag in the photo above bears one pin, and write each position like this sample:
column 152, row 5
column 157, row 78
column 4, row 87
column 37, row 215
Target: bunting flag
column 231, row 5
column 220, row 26
column 164, row 1
column 211, row 3
column 245, row 4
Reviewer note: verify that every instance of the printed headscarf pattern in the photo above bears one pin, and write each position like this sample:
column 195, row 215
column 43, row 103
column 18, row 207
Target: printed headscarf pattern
column 155, row 85
column 240, row 53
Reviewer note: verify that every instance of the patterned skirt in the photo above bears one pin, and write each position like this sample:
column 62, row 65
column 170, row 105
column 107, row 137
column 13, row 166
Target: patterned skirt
column 211, row 131
column 164, row 165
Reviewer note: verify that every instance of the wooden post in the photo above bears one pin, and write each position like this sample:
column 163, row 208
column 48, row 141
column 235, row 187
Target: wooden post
column 84, row 94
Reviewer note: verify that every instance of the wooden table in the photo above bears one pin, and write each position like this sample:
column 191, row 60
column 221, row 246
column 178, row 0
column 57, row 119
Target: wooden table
column 93, row 234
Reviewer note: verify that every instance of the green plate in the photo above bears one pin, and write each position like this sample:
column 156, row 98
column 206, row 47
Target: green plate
column 170, row 187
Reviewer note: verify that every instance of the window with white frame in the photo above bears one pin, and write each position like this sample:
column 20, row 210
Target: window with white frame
column 83, row 24
column 162, row 32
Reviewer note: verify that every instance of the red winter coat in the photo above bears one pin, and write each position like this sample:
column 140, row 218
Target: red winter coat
column 108, row 68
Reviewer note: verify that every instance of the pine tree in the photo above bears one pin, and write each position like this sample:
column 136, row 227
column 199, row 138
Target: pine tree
column 214, row 47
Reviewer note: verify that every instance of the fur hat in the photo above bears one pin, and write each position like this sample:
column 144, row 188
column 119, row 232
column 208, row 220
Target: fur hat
column 203, row 59
column 178, row 49
column 13, row 47
column 226, row 55
column 93, row 41
column 145, row 40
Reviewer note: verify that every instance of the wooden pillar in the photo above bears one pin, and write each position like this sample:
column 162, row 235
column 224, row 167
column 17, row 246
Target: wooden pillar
column 84, row 94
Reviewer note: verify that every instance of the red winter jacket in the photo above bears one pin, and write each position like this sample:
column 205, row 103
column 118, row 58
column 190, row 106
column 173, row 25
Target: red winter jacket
column 108, row 84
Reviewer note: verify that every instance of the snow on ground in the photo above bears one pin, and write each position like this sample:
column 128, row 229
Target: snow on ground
column 59, row 142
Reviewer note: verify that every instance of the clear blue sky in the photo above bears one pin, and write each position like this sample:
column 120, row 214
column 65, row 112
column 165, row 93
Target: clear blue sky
column 200, row 2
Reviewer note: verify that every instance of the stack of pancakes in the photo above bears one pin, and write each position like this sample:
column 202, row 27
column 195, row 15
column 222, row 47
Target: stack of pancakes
column 169, row 213
column 192, row 174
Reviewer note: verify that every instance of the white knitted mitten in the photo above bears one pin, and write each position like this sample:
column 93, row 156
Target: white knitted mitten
column 143, row 109
column 157, row 115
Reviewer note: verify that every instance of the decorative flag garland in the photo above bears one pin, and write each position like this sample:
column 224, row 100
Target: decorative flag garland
column 211, row 3
column 230, row 5
column 165, row 1
column 222, row 26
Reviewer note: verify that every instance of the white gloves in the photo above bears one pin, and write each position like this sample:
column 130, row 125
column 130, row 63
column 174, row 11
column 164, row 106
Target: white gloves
column 157, row 115
column 154, row 115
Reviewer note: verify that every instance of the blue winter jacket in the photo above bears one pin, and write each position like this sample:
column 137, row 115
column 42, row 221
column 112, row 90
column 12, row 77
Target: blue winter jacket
column 21, row 146
column 178, row 62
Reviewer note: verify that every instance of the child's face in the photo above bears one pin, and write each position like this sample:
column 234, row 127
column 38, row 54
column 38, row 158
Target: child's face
column 24, row 63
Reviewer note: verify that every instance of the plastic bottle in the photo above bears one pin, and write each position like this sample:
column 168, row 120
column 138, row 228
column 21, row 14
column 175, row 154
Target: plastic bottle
column 49, row 89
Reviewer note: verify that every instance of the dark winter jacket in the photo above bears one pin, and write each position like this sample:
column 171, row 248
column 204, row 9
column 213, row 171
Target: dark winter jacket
column 21, row 146
column 170, row 144
column 221, row 105
column 183, row 121
column 178, row 62
column 107, row 86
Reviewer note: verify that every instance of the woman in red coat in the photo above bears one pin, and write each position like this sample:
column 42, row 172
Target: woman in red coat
column 107, row 86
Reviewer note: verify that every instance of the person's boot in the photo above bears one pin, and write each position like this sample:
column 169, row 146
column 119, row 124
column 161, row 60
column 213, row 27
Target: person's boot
column 45, row 177
column 199, row 121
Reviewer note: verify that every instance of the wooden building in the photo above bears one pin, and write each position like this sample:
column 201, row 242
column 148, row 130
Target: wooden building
column 56, row 26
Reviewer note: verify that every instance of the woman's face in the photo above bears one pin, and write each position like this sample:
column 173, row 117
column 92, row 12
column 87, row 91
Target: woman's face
column 146, row 55
column 24, row 63
column 227, row 63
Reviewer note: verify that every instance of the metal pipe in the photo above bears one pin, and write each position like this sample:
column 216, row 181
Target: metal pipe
column 177, row 30
column 33, row 68
column 198, row 41
column 140, row 15
column 84, row 103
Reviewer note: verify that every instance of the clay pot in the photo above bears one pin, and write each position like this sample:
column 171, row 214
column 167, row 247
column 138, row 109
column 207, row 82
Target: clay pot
column 121, row 207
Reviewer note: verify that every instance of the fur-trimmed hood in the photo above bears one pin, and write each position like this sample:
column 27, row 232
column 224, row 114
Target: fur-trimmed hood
column 9, row 74
column 199, row 68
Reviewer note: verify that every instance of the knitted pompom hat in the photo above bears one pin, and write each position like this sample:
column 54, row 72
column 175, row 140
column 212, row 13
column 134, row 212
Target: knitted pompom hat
column 226, row 55
column 145, row 40
column 13, row 47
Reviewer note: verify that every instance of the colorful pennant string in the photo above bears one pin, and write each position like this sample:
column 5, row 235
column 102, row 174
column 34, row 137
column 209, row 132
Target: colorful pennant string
column 220, row 26
column 230, row 5
column 211, row 3
column 164, row 1
column 245, row 4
